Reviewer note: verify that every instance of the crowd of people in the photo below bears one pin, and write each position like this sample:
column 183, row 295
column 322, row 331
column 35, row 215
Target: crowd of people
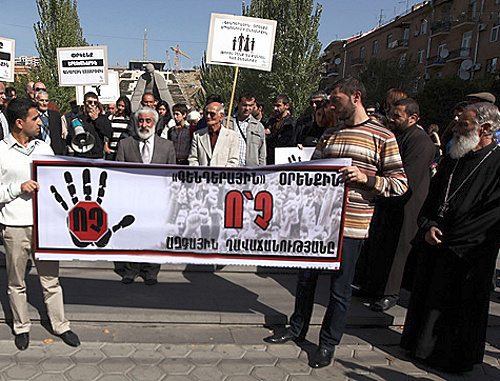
column 422, row 211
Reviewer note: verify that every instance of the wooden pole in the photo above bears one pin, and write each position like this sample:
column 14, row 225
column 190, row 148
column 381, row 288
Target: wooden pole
column 232, row 95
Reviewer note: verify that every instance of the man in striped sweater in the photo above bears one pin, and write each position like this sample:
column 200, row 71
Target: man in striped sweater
column 376, row 171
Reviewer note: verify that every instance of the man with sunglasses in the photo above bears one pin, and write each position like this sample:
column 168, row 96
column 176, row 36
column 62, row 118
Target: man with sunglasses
column 51, row 129
column 40, row 86
column 96, row 124
column 214, row 145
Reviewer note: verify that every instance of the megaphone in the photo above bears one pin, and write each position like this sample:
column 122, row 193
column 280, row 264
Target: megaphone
column 82, row 141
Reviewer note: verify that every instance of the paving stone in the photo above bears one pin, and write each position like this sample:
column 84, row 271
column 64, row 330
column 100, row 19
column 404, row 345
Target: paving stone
column 176, row 366
column 371, row 357
column 82, row 372
column 145, row 373
column 204, row 357
column 50, row 377
column 229, row 351
column 301, row 378
column 21, row 372
column 239, row 378
column 255, row 347
column 284, row 351
column 118, row 350
column 88, row 356
column 6, row 361
column 113, row 377
column 149, row 355
column 56, row 364
column 389, row 373
column 343, row 353
column 175, row 351
column 235, row 366
column 32, row 355
column 427, row 377
column 119, row 365
column 60, row 349
column 207, row 373
column 294, row 366
column 407, row 367
column 260, row 358
column 8, row 348
column 331, row 373
column 269, row 373
column 178, row 378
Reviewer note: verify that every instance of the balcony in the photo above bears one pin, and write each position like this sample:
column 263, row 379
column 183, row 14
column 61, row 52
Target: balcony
column 440, row 28
column 357, row 61
column 435, row 61
column 458, row 54
column 399, row 44
column 464, row 20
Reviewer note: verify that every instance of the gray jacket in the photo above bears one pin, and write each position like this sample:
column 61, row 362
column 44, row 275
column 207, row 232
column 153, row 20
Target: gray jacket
column 255, row 139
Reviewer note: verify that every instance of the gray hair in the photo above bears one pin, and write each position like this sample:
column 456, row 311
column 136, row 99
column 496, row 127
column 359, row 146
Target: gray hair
column 486, row 113
column 319, row 94
column 42, row 92
column 147, row 110
column 221, row 107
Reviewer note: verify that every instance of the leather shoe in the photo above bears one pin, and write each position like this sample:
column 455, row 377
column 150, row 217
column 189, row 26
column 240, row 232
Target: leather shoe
column 127, row 280
column 280, row 338
column 22, row 341
column 322, row 357
column 385, row 303
column 70, row 338
column 150, row 282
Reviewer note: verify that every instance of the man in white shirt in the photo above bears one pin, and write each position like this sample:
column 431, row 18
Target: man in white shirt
column 16, row 223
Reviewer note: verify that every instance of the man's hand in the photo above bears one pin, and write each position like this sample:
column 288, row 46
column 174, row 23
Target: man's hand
column 352, row 175
column 432, row 237
column 94, row 113
column 30, row 186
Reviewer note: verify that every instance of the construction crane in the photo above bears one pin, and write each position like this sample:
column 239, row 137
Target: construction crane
column 178, row 52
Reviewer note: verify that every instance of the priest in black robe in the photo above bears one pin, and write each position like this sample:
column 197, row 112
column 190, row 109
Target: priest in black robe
column 382, row 264
column 458, row 243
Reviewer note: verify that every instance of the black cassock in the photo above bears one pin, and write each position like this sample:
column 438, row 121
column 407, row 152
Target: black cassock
column 447, row 318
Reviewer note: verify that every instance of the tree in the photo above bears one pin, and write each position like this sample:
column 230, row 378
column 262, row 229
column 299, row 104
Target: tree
column 295, row 70
column 379, row 75
column 59, row 26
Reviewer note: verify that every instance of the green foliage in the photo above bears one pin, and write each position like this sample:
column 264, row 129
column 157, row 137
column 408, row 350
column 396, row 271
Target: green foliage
column 295, row 69
column 59, row 27
column 379, row 76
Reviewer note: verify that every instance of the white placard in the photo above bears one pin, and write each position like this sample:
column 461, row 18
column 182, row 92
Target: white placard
column 285, row 155
column 241, row 41
column 7, row 55
column 85, row 65
column 107, row 93
column 284, row 215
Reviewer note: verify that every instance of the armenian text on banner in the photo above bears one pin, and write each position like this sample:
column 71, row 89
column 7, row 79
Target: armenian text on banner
column 287, row 215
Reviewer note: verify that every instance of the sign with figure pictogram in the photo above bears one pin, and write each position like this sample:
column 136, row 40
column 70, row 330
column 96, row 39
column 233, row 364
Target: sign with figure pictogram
column 288, row 215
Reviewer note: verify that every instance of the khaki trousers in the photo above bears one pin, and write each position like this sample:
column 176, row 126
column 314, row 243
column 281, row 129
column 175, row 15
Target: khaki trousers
column 18, row 243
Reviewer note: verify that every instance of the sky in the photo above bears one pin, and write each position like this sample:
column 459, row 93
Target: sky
column 120, row 24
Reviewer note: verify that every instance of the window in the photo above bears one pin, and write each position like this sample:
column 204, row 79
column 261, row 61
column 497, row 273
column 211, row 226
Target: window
column 362, row 53
column 441, row 47
column 467, row 39
column 406, row 33
column 491, row 65
column 389, row 40
column 495, row 31
column 375, row 47
column 402, row 60
column 423, row 27
column 420, row 56
column 472, row 8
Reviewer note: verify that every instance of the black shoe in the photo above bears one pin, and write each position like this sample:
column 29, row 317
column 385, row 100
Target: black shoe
column 322, row 357
column 22, row 341
column 150, row 282
column 127, row 280
column 385, row 303
column 70, row 338
column 281, row 338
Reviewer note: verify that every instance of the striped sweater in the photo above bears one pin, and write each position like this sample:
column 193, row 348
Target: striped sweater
column 374, row 150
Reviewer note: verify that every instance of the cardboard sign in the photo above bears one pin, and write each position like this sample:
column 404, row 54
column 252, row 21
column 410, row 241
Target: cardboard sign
column 284, row 215
column 107, row 93
column 241, row 41
column 285, row 155
column 85, row 65
column 7, row 55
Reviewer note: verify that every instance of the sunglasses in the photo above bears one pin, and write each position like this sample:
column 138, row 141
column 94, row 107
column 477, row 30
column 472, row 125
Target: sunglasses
column 40, row 89
column 43, row 100
column 91, row 103
column 210, row 113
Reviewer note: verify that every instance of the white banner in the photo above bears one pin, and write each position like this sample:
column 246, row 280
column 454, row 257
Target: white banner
column 107, row 93
column 286, row 215
column 284, row 155
column 241, row 41
column 84, row 65
column 7, row 56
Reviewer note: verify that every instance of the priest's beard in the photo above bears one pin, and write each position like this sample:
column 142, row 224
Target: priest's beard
column 463, row 144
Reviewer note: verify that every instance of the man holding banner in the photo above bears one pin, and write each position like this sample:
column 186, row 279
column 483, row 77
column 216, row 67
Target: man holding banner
column 16, row 223
column 370, row 146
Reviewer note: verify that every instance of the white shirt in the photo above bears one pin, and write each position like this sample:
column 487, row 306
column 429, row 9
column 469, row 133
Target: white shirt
column 16, row 208
column 151, row 143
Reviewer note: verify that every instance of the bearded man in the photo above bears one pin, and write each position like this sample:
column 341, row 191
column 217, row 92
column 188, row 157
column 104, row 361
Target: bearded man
column 146, row 147
column 458, row 242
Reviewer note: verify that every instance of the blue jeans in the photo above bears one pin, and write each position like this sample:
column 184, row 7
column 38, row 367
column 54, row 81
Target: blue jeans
column 334, row 320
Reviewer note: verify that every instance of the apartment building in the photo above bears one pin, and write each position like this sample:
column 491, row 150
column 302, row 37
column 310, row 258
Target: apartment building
column 444, row 37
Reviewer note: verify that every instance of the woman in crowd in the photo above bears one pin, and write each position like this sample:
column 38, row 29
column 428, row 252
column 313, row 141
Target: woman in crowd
column 119, row 122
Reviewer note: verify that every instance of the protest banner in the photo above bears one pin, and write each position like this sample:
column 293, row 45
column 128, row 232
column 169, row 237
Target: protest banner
column 107, row 93
column 84, row 65
column 283, row 155
column 286, row 215
column 241, row 41
column 7, row 55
